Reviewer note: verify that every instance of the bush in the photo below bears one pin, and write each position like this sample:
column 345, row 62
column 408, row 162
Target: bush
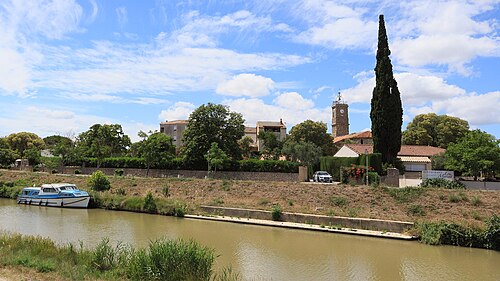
column 492, row 233
column 276, row 213
column 98, row 181
column 149, row 204
column 77, row 172
column 406, row 194
column 416, row 210
column 442, row 183
column 119, row 172
column 338, row 201
column 333, row 164
column 166, row 191
column 172, row 260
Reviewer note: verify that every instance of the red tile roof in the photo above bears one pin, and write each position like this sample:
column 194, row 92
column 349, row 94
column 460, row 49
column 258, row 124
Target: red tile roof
column 361, row 135
column 406, row 150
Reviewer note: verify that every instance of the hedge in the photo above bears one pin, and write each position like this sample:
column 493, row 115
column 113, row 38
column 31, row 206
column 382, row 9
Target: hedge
column 250, row 165
column 374, row 161
column 333, row 164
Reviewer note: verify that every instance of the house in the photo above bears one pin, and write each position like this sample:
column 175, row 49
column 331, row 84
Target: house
column 415, row 158
column 359, row 138
column 176, row 128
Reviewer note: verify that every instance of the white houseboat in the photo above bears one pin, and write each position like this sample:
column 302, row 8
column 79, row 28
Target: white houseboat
column 56, row 195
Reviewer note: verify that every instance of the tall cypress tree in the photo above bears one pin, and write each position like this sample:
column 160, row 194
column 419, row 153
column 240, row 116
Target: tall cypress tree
column 386, row 109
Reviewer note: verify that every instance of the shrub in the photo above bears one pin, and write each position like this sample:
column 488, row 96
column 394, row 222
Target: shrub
column 476, row 201
column 98, row 181
column 276, row 213
column 77, row 172
column 406, row 194
column 149, row 203
column 492, row 233
column 119, row 172
column 333, row 165
column 338, row 201
column 416, row 210
column 453, row 198
column 165, row 191
column 172, row 260
column 442, row 183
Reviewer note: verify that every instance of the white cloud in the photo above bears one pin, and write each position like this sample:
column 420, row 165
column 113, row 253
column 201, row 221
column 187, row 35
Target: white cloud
column 254, row 110
column 250, row 85
column 416, row 90
column 477, row 109
column 293, row 100
column 179, row 111
column 121, row 13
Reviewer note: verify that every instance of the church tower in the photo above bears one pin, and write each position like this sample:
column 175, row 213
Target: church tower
column 340, row 118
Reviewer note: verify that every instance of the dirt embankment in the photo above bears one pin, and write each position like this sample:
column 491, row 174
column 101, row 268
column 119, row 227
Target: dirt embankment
column 472, row 207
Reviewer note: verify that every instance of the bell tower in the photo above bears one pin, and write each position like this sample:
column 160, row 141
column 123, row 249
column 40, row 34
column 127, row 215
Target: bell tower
column 340, row 117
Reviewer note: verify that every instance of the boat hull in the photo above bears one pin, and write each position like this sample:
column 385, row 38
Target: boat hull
column 71, row 202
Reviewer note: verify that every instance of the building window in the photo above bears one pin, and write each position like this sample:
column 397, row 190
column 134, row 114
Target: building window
column 175, row 127
column 162, row 130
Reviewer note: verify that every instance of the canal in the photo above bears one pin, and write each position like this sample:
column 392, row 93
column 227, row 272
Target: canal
column 261, row 253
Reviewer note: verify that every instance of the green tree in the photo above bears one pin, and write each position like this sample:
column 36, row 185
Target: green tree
column 435, row 130
column 313, row 132
column 271, row 146
column 246, row 146
column 4, row 144
column 54, row 140
column 305, row 152
column 476, row 153
column 7, row 157
column 156, row 148
column 215, row 158
column 208, row 124
column 22, row 141
column 33, row 155
column 102, row 141
column 386, row 108
column 98, row 181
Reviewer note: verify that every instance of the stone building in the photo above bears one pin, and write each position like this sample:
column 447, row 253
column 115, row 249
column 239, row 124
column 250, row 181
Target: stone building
column 340, row 117
column 174, row 129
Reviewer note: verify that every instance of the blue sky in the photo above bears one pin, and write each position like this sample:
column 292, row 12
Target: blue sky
column 66, row 65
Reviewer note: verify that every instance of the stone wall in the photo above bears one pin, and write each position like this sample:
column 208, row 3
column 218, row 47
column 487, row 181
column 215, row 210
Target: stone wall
column 482, row 185
column 359, row 223
column 161, row 173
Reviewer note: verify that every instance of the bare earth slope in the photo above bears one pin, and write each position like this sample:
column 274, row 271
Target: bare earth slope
column 464, row 206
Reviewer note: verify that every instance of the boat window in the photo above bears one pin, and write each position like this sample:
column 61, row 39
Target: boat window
column 26, row 192
column 62, row 188
column 49, row 190
column 35, row 193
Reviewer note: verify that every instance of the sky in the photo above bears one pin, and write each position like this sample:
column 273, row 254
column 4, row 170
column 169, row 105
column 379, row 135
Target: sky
column 66, row 64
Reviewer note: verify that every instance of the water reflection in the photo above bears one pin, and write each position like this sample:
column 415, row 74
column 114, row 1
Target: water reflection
column 262, row 253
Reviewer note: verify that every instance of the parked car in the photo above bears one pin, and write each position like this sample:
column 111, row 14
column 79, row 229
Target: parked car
column 322, row 176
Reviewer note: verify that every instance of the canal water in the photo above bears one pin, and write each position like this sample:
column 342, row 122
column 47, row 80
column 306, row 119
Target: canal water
column 261, row 253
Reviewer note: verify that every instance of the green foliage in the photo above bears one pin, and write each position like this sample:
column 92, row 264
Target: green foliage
column 437, row 233
column 102, row 141
column 256, row 165
column 165, row 191
column 246, row 146
column 77, row 172
column 161, row 260
column 437, row 161
column 51, row 163
column 416, row 210
column 333, row 164
column 356, row 173
column 476, row 201
column 304, row 152
column 7, row 157
column 98, row 181
column 405, row 194
column 149, row 204
column 338, row 201
column 8, row 190
column 442, row 183
column 374, row 161
column 20, row 142
column 477, row 152
column 215, row 157
column 312, row 132
column 33, row 155
column 155, row 148
column 174, row 260
column 386, row 109
column 435, row 130
column 119, row 172
column 208, row 124
column 276, row 213
column 270, row 145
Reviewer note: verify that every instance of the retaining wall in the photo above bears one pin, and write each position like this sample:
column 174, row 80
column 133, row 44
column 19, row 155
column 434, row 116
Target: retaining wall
column 482, row 185
column 359, row 223
column 161, row 173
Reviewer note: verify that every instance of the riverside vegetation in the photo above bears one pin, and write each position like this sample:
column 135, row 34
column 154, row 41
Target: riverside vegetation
column 443, row 216
column 163, row 259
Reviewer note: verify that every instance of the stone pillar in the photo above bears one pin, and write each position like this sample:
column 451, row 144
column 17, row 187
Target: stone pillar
column 302, row 173
column 392, row 178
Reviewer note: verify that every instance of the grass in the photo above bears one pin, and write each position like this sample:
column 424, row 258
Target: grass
column 406, row 194
column 416, row 210
column 476, row 201
column 161, row 260
column 338, row 201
